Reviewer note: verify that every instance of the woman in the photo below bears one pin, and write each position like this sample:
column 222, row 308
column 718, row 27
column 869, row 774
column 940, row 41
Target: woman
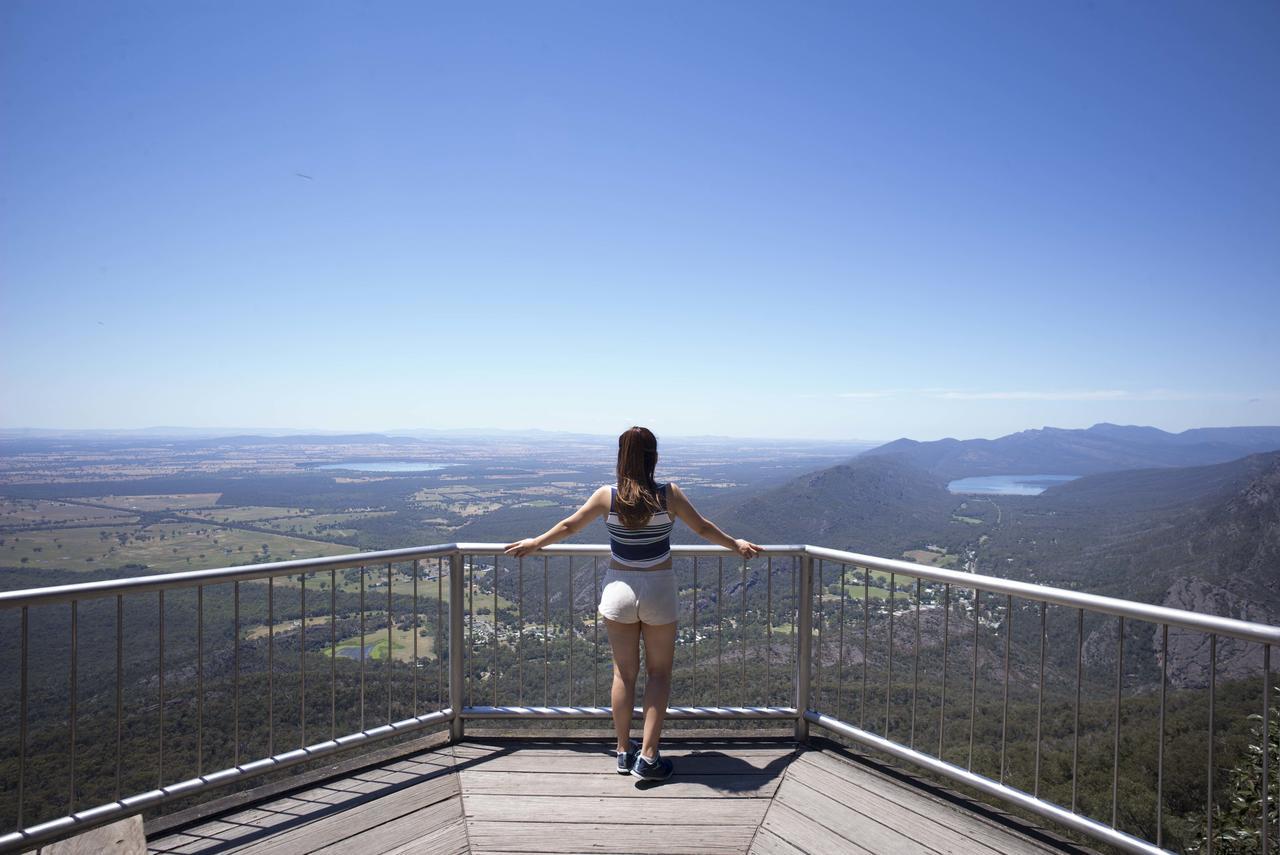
column 638, row 599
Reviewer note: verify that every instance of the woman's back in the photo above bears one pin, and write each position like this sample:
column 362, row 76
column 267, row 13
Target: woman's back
column 643, row 547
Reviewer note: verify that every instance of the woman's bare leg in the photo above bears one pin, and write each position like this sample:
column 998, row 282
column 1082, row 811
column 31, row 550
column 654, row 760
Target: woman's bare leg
column 624, row 638
column 659, row 653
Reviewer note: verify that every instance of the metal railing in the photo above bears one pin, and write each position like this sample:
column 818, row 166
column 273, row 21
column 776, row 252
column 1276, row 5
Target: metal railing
column 527, row 613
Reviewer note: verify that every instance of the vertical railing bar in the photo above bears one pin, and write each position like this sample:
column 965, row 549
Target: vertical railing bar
column 235, row 668
column 1035, row 791
column 22, row 714
column 119, row 692
column 695, row 627
column 571, row 634
column 946, row 641
column 546, row 628
column 333, row 654
column 866, row 638
column 804, row 640
column 362, row 646
column 520, row 631
column 1266, row 747
column 819, row 617
column 302, row 661
column 441, row 633
column 595, row 632
column 973, row 675
column 742, row 637
column 915, row 668
column 1075, row 737
column 888, row 673
column 495, row 631
column 470, row 655
column 844, row 570
column 768, row 631
column 719, row 624
column 1115, row 749
column 456, row 675
column 1164, row 686
column 271, row 669
column 1213, row 692
column 1004, row 715
column 160, row 708
column 416, row 569
column 71, row 719
column 390, row 657
column 795, row 609
column 199, row 680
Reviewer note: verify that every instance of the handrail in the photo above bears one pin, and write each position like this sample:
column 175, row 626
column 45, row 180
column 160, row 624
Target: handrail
column 1196, row 621
column 460, row 706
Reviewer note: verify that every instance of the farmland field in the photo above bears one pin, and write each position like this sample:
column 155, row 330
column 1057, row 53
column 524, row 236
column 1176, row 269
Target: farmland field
column 164, row 546
column 19, row 512
column 180, row 501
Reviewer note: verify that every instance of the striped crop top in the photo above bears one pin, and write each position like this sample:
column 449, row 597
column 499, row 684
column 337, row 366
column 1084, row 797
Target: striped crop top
column 639, row 548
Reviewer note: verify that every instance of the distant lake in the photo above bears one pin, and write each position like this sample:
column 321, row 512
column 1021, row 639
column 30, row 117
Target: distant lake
column 385, row 466
column 1009, row 485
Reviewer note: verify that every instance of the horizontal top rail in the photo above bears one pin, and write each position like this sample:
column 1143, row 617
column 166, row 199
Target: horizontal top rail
column 1246, row 630
column 1196, row 621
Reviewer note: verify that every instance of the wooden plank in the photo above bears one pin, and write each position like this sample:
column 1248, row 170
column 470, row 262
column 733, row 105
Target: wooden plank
column 879, row 795
column 448, row 840
column 655, row 809
column 880, row 832
column 399, row 832
column 709, row 763
column 293, row 833
column 808, row 836
column 481, row 782
column 348, row 823
column 843, row 821
column 678, row 749
column 291, row 811
column 563, row 837
column 768, row 843
column 369, row 757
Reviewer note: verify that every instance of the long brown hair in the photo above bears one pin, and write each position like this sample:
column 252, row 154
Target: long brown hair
column 637, row 491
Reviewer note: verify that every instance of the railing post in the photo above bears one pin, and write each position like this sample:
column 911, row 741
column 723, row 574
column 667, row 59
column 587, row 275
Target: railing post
column 455, row 645
column 804, row 650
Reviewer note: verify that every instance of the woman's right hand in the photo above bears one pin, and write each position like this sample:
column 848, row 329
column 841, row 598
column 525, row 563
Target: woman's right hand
column 746, row 548
column 521, row 548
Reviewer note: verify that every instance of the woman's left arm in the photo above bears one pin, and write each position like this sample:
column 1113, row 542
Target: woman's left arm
column 596, row 506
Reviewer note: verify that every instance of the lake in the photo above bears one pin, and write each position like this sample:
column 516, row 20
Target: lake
column 1008, row 485
column 386, row 465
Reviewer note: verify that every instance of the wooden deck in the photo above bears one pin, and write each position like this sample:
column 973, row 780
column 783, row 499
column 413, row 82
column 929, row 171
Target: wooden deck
column 504, row 796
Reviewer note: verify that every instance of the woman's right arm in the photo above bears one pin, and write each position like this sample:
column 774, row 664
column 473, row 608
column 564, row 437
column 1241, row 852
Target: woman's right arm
column 705, row 528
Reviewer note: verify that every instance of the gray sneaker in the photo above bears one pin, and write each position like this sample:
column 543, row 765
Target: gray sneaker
column 659, row 770
column 626, row 759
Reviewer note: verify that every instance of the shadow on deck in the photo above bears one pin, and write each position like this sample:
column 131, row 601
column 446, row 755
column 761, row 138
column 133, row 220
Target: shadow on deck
column 522, row 794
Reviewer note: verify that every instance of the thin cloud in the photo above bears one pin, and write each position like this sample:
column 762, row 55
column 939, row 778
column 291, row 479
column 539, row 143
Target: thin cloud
column 1073, row 395
column 945, row 394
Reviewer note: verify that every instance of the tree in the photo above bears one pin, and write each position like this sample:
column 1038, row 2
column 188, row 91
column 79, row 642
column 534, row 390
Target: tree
column 1237, row 818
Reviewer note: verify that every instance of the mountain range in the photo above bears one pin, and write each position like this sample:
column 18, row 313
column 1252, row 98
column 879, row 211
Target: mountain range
column 1101, row 448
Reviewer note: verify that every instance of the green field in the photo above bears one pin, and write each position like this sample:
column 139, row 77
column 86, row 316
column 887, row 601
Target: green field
column 173, row 502
column 330, row 525
column 401, row 641
column 25, row 512
column 164, row 547
column 251, row 513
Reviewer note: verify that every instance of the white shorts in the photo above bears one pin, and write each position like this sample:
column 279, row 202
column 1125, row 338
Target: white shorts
column 639, row 595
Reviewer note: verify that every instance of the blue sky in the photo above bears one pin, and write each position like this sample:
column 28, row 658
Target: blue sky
column 831, row 220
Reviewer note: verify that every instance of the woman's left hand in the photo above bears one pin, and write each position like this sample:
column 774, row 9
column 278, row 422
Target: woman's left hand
column 521, row 548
